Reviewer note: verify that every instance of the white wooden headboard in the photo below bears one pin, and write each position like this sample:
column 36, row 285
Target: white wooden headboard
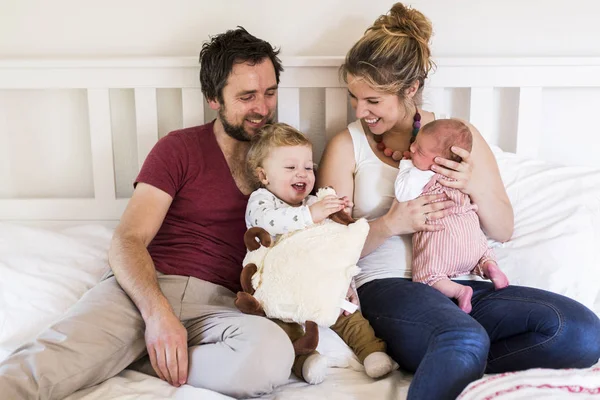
column 74, row 132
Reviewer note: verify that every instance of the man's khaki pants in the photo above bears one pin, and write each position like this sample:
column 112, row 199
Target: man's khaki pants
column 229, row 352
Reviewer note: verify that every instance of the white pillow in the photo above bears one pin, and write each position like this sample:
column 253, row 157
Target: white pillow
column 42, row 274
column 557, row 227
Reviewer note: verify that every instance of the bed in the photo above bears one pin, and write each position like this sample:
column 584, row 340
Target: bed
column 63, row 190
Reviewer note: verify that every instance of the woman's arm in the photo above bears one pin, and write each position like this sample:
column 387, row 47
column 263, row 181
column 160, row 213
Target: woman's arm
column 479, row 177
column 337, row 170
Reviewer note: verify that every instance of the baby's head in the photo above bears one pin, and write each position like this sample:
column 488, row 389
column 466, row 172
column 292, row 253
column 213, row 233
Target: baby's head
column 280, row 159
column 435, row 140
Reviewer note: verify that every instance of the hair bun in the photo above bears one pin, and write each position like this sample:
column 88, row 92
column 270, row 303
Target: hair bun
column 405, row 21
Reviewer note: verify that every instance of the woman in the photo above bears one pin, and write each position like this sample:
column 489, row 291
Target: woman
column 511, row 329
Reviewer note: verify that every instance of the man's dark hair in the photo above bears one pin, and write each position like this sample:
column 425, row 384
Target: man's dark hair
column 218, row 56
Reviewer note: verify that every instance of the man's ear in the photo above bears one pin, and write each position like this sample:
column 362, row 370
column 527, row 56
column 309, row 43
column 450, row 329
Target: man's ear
column 412, row 90
column 214, row 104
column 262, row 176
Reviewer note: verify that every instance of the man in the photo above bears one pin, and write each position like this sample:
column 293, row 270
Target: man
column 176, row 257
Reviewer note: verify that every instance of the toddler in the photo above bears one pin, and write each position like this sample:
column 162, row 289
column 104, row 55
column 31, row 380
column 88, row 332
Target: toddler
column 280, row 158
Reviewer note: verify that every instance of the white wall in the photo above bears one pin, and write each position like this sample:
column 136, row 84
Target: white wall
column 125, row 28
column 33, row 28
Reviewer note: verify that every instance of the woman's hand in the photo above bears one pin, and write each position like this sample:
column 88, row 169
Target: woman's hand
column 459, row 173
column 414, row 215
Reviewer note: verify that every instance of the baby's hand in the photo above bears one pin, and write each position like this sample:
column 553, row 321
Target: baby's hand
column 324, row 208
column 406, row 155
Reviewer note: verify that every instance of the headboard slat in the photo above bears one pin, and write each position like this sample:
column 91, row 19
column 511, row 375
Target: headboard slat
column 102, row 145
column 288, row 106
column 6, row 177
column 146, row 121
column 336, row 111
column 434, row 100
column 482, row 99
column 529, row 125
column 192, row 104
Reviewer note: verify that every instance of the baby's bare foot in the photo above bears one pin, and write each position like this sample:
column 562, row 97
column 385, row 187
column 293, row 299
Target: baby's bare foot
column 493, row 272
column 464, row 298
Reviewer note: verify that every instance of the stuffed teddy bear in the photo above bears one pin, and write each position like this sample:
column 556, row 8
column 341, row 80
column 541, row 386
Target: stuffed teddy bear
column 303, row 278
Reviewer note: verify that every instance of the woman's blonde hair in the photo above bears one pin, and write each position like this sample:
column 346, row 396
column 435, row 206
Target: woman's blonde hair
column 269, row 137
column 393, row 53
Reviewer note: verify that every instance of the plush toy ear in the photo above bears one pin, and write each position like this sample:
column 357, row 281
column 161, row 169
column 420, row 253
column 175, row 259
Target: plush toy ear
column 253, row 233
column 342, row 217
column 246, row 278
column 247, row 304
column 309, row 342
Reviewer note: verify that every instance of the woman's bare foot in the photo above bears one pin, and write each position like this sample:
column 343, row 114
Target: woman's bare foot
column 495, row 274
column 464, row 298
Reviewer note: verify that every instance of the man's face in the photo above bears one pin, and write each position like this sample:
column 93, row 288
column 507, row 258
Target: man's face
column 249, row 99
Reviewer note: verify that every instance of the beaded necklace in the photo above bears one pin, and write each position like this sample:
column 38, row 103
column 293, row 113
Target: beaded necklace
column 397, row 155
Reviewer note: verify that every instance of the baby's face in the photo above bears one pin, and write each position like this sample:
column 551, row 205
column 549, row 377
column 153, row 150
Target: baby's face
column 288, row 173
column 423, row 151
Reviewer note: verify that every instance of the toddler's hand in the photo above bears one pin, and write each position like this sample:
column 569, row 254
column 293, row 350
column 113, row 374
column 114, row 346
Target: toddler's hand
column 324, row 208
column 347, row 204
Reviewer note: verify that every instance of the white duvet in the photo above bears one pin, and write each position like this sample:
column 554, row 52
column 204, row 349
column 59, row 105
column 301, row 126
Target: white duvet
column 557, row 231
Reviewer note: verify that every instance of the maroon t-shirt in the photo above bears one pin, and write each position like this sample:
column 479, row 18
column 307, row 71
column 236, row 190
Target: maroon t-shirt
column 202, row 234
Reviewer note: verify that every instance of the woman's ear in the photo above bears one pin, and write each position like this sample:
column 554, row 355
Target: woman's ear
column 262, row 176
column 412, row 90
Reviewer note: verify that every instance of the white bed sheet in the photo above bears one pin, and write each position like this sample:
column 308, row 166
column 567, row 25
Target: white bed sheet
column 557, row 214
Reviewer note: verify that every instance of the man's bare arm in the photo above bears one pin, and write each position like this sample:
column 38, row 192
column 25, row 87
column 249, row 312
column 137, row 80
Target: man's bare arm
column 166, row 338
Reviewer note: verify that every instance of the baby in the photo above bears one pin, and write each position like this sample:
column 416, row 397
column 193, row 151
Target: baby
column 280, row 158
column 461, row 248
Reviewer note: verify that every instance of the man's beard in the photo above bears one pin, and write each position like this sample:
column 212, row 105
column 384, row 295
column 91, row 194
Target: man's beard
column 237, row 131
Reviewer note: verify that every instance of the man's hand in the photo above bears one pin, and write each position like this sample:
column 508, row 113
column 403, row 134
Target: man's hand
column 166, row 341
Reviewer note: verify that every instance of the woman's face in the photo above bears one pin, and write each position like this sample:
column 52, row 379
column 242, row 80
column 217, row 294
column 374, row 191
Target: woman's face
column 380, row 111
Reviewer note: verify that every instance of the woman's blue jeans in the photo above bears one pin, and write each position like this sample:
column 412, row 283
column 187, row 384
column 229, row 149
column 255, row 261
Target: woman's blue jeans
column 512, row 329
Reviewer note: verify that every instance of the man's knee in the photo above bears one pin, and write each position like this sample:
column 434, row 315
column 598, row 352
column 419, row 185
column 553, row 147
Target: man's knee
column 257, row 355
column 270, row 355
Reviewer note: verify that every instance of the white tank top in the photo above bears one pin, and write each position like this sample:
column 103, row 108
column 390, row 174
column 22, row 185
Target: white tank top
column 373, row 197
